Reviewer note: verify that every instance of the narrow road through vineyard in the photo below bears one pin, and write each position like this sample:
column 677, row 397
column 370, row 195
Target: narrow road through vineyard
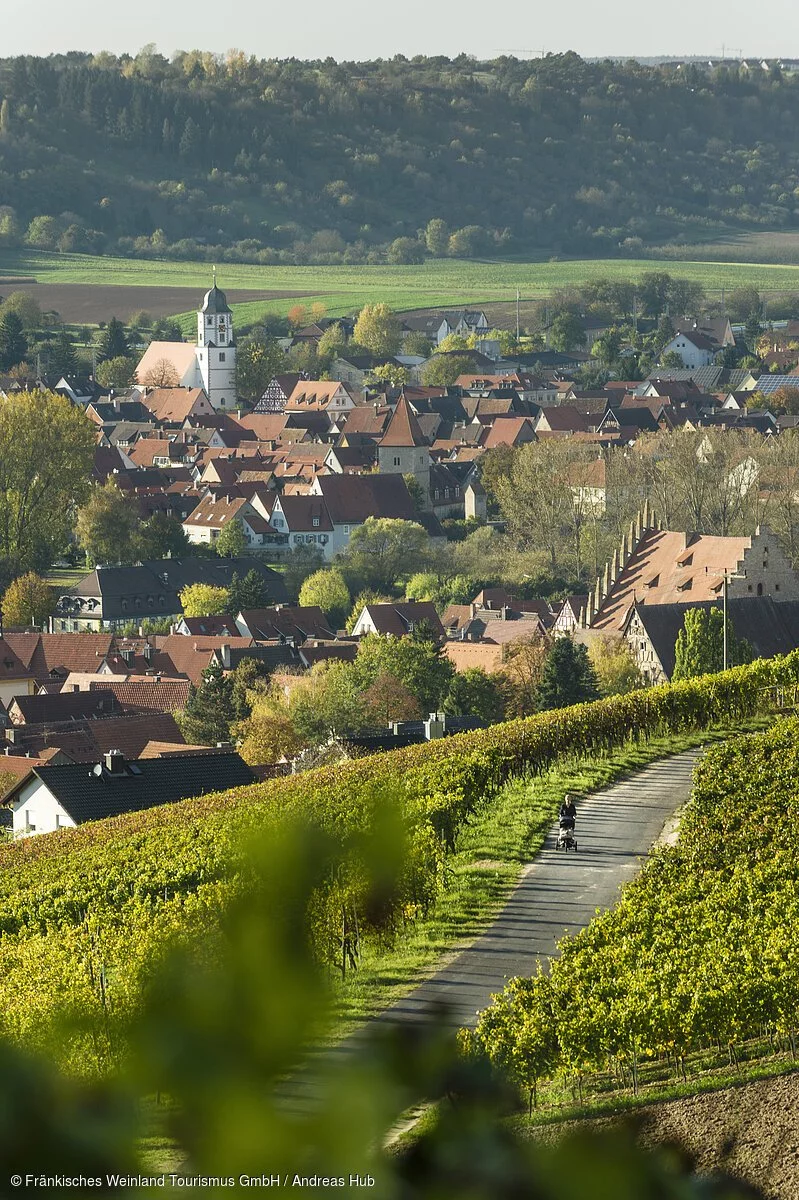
column 559, row 892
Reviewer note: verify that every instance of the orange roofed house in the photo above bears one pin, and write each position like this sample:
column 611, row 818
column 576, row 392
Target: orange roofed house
column 660, row 566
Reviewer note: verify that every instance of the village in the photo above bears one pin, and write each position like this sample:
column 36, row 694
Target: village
column 320, row 516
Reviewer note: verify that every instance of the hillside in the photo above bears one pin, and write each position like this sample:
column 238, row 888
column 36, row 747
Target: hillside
column 748, row 1131
column 303, row 162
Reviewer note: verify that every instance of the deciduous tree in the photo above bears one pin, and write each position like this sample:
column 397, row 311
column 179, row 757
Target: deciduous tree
column 204, row 600
column 378, row 329
column 107, row 526
column 328, row 590
column 28, row 600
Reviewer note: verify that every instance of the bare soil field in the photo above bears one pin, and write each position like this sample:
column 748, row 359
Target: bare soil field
column 90, row 303
column 750, row 1131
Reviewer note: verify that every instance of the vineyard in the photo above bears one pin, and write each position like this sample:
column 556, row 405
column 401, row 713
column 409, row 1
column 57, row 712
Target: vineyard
column 699, row 955
column 86, row 914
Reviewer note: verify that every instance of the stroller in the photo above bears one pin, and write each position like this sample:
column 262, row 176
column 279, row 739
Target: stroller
column 567, row 838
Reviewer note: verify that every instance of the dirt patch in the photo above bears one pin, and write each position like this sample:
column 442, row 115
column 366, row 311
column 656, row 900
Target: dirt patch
column 751, row 1131
column 90, row 303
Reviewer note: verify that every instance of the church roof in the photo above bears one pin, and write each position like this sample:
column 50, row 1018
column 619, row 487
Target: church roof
column 215, row 301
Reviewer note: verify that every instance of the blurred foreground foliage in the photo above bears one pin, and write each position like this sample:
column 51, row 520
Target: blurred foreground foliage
column 233, row 1031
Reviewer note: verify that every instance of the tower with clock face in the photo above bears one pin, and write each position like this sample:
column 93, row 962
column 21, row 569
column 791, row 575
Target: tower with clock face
column 216, row 349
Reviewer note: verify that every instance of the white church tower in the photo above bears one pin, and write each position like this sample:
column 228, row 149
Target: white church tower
column 216, row 350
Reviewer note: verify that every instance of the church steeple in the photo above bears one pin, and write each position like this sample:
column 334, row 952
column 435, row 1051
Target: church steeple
column 215, row 319
column 216, row 348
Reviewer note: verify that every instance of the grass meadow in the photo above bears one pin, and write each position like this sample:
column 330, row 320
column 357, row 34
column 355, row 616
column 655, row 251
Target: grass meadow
column 343, row 289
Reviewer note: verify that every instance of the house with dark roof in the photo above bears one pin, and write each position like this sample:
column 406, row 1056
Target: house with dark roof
column 63, row 706
column 60, row 797
column 110, row 597
column 650, row 630
column 398, row 620
column 349, row 500
column 285, row 622
column 693, row 347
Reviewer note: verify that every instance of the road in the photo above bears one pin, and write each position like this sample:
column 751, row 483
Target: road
column 559, row 893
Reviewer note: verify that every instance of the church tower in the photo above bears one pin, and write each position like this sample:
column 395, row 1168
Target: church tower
column 216, row 349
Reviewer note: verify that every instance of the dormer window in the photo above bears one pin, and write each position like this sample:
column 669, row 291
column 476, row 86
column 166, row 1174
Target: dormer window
column 315, row 522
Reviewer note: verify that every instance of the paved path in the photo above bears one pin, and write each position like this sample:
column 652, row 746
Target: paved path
column 559, row 892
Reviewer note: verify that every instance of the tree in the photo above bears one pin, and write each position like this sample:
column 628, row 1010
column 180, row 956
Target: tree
column 333, row 342
column 46, row 454
column 476, row 694
column 258, row 360
column 568, row 677
column 418, row 663
column 204, row 600
column 699, row 649
column 107, row 526
column 383, row 549
column 443, row 369
column 116, row 373
column 162, row 537
column 328, row 590
column 672, row 361
column 744, row 302
column 28, row 600
column 416, row 492
column 232, row 540
column 210, row 710
column 521, row 675
column 387, row 699
column 436, row 237
column 248, row 593
column 566, row 332
column 112, row 342
column 13, row 343
column 417, row 343
column 496, row 464
column 301, row 562
column 391, row 372
column 378, row 329
column 616, row 670
column 162, row 374
column 25, row 307
column 404, row 251
column 62, row 358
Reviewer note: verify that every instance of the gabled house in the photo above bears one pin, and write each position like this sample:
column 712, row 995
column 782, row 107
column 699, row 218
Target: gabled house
column 305, row 521
column 204, row 525
column 285, row 622
column 351, row 499
column 278, row 390
column 61, row 797
column 693, row 347
column 323, row 395
column 398, row 620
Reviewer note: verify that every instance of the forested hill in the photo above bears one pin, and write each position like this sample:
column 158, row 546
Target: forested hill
column 295, row 161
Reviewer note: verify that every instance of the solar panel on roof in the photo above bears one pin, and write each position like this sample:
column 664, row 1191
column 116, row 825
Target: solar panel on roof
column 767, row 384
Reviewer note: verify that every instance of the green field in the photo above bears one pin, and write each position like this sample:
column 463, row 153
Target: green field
column 343, row 289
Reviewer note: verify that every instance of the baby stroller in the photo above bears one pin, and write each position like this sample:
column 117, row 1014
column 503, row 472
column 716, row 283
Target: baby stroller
column 567, row 838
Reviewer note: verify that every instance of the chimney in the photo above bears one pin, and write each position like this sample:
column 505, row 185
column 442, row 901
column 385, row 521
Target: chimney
column 434, row 726
column 114, row 762
column 472, row 610
column 147, row 651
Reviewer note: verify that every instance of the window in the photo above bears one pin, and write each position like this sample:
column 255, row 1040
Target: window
column 222, row 357
column 396, row 460
column 776, row 587
column 222, row 402
column 346, row 529
column 760, row 589
column 315, row 522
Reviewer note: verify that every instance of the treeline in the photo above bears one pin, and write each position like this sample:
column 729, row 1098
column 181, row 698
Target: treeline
column 289, row 161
